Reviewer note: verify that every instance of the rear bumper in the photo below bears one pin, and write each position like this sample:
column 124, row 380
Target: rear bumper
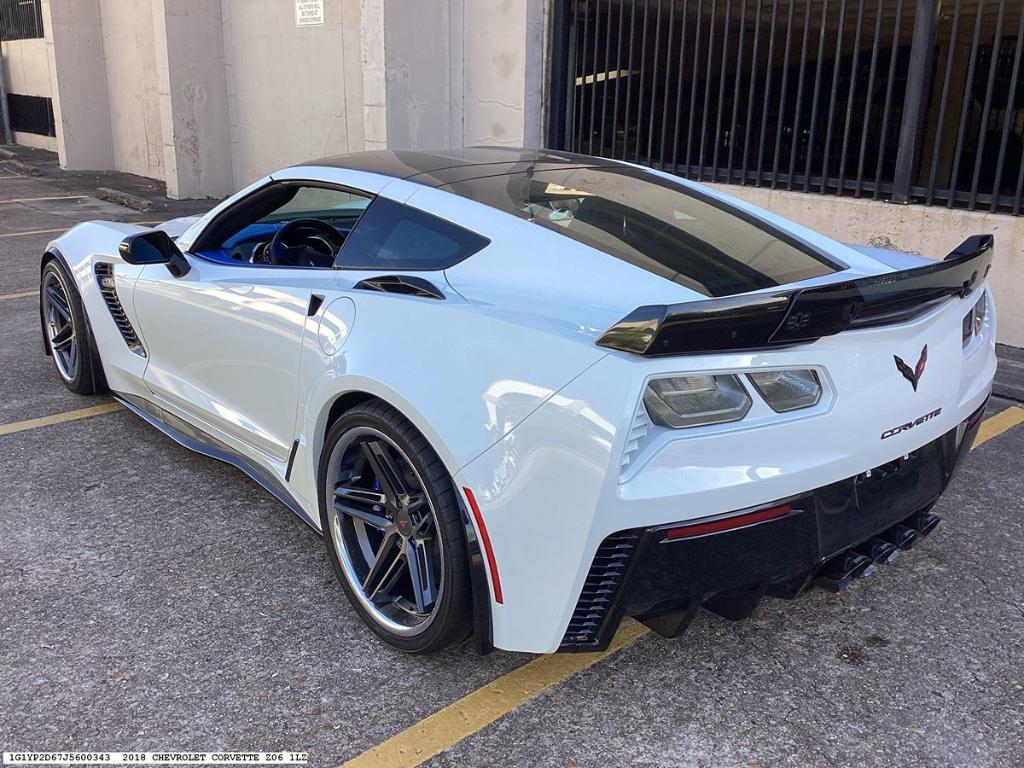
column 641, row 572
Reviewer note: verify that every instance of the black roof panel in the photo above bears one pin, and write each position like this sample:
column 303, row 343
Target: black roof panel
column 438, row 167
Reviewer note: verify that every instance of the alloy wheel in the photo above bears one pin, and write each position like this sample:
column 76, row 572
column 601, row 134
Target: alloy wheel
column 60, row 326
column 385, row 531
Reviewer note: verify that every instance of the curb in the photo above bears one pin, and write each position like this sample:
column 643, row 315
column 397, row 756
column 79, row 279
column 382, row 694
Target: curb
column 127, row 199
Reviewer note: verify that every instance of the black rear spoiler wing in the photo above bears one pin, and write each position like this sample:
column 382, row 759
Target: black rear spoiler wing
column 765, row 320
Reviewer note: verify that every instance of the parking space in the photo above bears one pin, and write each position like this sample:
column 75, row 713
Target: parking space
column 156, row 599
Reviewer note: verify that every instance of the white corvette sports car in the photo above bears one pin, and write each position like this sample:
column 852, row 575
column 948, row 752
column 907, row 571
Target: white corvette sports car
column 527, row 393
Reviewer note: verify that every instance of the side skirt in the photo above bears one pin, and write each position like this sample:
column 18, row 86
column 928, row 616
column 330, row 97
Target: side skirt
column 196, row 440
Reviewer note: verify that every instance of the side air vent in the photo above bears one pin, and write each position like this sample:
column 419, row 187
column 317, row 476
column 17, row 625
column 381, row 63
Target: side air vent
column 637, row 434
column 599, row 591
column 105, row 278
column 404, row 284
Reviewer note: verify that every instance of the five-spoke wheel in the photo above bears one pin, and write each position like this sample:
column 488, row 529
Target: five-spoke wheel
column 66, row 331
column 60, row 325
column 393, row 529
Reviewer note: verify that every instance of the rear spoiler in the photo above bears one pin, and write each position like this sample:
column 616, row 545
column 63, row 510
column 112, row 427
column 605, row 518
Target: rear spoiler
column 765, row 320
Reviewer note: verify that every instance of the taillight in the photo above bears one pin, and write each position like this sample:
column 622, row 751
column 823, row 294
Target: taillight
column 726, row 523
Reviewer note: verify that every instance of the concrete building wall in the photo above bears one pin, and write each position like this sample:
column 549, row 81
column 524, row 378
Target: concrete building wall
column 458, row 74
column 78, row 78
column 925, row 230
column 27, row 72
column 293, row 93
column 133, row 95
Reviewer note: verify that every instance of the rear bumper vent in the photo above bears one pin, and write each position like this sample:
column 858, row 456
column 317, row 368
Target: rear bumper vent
column 599, row 591
column 105, row 278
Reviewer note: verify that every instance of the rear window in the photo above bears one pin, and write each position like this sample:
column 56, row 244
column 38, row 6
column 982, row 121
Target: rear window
column 394, row 236
column 654, row 224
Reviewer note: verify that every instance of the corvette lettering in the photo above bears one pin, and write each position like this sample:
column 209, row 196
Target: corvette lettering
column 911, row 424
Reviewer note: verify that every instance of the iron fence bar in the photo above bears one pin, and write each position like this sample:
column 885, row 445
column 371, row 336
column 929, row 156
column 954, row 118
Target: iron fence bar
column 571, row 67
column 767, row 87
column 640, row 87
column 1020, row 188
column 852, row 92
column 604, row 80
column 593, row 77
column 618, row 81
column 983, row 130
column 814, row 100
column 879, row 13
column 679, row 88
column 736, row 84
column 561, row 56
column 937, row 143
column 967, row 102
column 581, row 83
column 707, row 88
column 629, row 81
column 1009, row 111
column 654, row 84
column 835, row 88
column 668, row 78
column 782, row 95
column 693, row 83
column 795, row 140
column 750, row 90
column 721, row 87
column 891, row 77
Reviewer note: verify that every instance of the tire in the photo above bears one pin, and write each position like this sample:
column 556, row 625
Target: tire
column 75, row 357
column 389, row 512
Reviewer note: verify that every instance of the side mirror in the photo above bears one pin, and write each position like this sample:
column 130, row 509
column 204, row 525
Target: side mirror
column 154, row 247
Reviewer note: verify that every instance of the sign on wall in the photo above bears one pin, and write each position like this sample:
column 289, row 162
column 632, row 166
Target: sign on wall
column 309, row 13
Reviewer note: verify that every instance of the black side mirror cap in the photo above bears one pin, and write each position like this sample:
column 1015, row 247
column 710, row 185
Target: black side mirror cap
column 154, row 247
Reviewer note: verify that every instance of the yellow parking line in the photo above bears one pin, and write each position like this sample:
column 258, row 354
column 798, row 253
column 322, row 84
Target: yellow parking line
column 65, row 229
column 21, row 295
column 996, row 425
column 475, row 711
column 472, row 712
column 40, row 199
column 34, row 232
column 59, row 418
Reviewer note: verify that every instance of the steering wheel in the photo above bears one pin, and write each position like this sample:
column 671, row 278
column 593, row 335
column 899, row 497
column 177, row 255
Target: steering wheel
column 297, row 238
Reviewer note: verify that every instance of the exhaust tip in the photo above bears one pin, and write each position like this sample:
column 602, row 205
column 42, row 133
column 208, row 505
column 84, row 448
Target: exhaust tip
column 880, row 551
column 902, row 536
column 837, row 574
column 924, row 524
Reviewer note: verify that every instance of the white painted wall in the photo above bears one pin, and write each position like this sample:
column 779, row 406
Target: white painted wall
column 293, row 93
column 926, row 230
column 133, row 95
column 27, row 72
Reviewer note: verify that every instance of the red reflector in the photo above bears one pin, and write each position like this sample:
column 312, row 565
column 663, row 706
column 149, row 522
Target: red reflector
column 727, row 523
column 486, row 541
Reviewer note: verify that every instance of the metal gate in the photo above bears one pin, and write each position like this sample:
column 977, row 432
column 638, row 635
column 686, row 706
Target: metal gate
column 903, row 100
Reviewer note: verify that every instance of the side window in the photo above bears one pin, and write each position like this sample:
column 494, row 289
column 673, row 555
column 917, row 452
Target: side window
column 394, row 236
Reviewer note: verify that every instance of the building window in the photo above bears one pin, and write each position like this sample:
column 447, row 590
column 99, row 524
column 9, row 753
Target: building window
column 20, row 19
column 31, row 114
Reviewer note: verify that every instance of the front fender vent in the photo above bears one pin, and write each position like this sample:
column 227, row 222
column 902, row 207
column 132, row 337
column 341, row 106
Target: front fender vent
column 105, row 278
column 599, row 591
